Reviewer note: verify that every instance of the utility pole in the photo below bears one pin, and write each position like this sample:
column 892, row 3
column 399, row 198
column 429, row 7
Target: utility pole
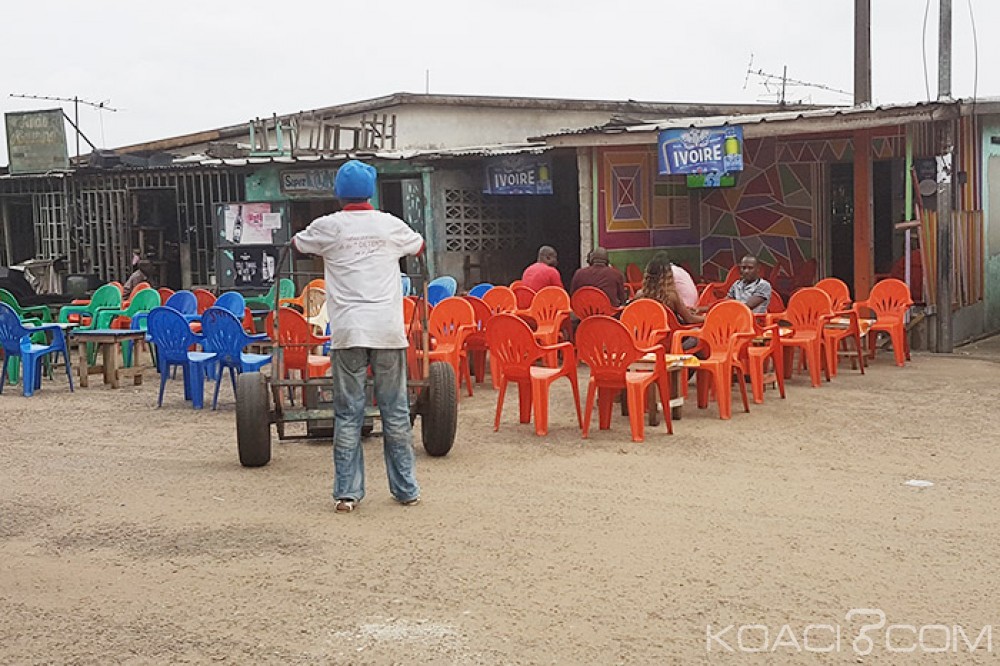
column 946, row 144
column 862, row 52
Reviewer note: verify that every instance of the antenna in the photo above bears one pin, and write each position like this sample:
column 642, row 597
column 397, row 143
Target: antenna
column 75, row 121
column 768, row 80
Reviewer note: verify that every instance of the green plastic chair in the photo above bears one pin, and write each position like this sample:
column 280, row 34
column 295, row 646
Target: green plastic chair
column 143, row 301
column 39, row 312
column 286, row 288
column 107, row 297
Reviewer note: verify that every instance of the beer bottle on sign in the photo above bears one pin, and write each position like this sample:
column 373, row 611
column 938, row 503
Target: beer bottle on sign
column 238, row 225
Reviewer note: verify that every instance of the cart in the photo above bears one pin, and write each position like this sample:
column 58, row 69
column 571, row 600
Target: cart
column 261, row 400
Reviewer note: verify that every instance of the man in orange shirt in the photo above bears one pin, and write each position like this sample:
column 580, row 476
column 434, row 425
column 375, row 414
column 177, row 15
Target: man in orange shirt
column 543, row 273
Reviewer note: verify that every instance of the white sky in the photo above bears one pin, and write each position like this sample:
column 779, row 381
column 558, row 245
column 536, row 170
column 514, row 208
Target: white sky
column 184, row 66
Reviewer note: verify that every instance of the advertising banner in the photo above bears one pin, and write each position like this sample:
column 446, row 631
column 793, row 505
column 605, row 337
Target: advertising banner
column 700, row 150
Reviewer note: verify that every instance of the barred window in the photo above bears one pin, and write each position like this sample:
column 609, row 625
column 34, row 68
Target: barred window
column 475, row 222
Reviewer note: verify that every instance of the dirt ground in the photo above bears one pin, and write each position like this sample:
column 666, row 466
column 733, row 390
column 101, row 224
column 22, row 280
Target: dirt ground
column 131, row 535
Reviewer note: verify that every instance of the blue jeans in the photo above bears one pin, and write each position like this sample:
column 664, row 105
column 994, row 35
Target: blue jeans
column 350, row 368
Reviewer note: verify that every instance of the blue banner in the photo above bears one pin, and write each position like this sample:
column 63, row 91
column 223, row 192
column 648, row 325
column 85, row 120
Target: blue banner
column 518, row 174
column 700, row 150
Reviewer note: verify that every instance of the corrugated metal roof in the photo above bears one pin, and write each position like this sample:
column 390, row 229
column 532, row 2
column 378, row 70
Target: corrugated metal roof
column 886, row 111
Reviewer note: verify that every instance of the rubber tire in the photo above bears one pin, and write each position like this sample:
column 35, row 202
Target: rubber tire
column 253, row 423
column 439, row 418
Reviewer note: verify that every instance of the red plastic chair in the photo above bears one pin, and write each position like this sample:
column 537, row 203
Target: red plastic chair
column 633, row 278
column 889, row 300
column 838, row 291
column 206, row 299
column 524, row 294
column 720, row 289
column 513, row 354
column 728, row 328
column 607, row 347
column 165, row 293
column 588, row 301
column 475, row 343
column 501, row 299
column 451, row 322
column 297, row 342
column 809, row 311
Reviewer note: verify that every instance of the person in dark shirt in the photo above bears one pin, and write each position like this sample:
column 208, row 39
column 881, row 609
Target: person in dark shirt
column 600, row 274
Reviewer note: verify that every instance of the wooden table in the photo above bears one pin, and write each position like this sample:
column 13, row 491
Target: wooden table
column 109, row 340
column 677, row 366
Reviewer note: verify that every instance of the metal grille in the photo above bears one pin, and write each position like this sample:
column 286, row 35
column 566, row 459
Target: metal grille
column 51, row 230
column 475, row 222
column 102, row 233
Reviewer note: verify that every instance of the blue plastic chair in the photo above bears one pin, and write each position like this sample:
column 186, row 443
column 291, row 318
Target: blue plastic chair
column 407, row 285
column 15, row 339
column 437, row 293
column 234, row 302
column 448, row 282
column 169, row 331
column 182, row 301
column 224, row 335
column 480, row 289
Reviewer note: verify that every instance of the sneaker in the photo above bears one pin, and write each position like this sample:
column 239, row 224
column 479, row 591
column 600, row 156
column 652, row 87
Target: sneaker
column 412, row 502
column 345, row 505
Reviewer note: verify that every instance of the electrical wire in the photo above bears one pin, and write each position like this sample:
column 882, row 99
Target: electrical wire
column 923, row 46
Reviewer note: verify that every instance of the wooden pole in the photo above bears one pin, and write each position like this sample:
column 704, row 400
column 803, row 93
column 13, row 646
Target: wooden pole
column 864, row 266
column 946, row 144
column 862, row 52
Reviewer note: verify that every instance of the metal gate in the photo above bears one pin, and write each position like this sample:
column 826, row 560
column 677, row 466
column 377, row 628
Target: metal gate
column 101, row 242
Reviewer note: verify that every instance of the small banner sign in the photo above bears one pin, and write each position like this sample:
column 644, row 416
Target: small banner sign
column 518, row 174
column 36, row 141
column 700, row 150
column 312, row 182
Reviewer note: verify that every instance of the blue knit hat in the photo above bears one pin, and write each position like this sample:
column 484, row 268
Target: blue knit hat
column 355, row 180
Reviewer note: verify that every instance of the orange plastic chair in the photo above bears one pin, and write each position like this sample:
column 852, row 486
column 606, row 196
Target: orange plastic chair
column 607, row 347
column 840, row 297
column 720, row 289
column 475, row 343
column 135, row 290
column 550, row 308
column 889, row 300
column 588, row 301
column 300, row 300
column 501, row 299
column 709, row 296
column 809, row 311
column 646, row 320
column 451, row 322
column 728, row 328
column 754, row 358
column 297, row 342
column 413, row 324
column 525, row 295
column 513, row 354
column 206, row 299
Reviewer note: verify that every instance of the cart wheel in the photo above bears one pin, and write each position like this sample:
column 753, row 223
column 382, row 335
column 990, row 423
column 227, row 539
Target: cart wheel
column 253, row 422
column 439, row 417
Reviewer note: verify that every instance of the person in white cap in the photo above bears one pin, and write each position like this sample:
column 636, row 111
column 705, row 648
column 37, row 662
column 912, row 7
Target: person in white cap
column 361, row 248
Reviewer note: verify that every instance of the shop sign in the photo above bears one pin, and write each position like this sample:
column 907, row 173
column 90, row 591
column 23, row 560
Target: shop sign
column 313, row 181
column 700, row 150
column 518, row 174
column 36, row 141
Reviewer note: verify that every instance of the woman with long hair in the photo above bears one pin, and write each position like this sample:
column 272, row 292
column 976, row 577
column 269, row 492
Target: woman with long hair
column 658, row 284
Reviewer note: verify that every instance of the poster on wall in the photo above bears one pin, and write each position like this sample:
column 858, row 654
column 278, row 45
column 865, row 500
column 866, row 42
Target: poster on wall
column 518, row 174
column 250, row 223
column 700, row 150
column 251, row 267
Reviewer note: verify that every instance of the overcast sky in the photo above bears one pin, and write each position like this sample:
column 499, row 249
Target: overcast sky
column 184, row 66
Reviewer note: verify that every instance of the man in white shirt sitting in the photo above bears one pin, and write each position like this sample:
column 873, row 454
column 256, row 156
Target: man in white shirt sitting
column 751, row 289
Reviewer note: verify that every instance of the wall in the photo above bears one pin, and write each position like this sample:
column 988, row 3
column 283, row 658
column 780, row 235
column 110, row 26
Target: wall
column 991, row 233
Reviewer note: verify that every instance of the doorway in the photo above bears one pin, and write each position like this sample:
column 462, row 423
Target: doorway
column 842, row 219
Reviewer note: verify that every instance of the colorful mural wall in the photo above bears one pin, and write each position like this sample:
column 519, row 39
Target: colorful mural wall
column 775, row 211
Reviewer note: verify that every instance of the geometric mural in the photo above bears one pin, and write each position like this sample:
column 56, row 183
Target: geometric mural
column 770, row 213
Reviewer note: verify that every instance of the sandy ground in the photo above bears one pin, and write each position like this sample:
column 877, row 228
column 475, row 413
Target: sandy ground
column 131, row 535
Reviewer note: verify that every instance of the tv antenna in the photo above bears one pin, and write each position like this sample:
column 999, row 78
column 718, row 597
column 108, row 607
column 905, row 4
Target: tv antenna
column 777, row 85
column 75, row 120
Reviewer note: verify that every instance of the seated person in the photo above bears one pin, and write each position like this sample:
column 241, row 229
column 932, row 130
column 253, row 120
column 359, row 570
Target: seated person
column 600, row 274
column 658, row 284
column 751, row 289
column 143, row 273
column 543, row 273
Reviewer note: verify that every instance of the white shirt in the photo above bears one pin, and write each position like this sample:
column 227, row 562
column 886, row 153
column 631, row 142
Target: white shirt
column 361, row 250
